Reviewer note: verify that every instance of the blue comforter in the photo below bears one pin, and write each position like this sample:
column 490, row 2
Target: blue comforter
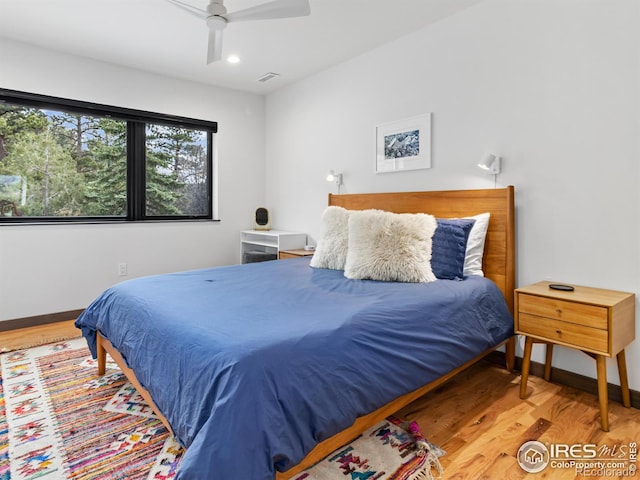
column 254, row 364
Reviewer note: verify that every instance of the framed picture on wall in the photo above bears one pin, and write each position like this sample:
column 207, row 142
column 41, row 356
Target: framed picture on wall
column 404, row 144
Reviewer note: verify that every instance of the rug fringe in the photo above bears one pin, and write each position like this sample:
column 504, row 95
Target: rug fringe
column 423, row 449
column 425, row 473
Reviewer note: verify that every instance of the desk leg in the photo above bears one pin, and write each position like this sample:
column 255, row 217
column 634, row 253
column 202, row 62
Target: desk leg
column 624, row 383
column 526, row 360
column 603, row 395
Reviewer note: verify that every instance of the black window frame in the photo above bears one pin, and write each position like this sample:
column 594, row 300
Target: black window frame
column 137, row 121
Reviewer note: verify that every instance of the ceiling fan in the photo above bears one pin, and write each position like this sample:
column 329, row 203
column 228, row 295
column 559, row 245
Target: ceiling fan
column 217, row 17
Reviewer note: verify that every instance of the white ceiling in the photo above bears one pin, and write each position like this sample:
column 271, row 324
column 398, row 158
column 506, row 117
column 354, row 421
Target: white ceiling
column 158, row 37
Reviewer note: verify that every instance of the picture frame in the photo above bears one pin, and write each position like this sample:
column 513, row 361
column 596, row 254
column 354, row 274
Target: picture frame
column 404, row 145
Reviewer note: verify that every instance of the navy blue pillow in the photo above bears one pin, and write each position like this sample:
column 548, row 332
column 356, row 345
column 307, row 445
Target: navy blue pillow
column 449, row 244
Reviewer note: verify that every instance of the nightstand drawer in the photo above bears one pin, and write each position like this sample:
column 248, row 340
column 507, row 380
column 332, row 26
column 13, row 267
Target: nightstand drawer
column 565, row 310
column 564, row 332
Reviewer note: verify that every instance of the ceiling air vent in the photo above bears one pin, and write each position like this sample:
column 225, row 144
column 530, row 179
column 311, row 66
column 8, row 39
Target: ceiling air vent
column 268, row 76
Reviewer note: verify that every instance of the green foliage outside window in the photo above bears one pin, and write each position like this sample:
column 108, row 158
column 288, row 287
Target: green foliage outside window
column 59, row 164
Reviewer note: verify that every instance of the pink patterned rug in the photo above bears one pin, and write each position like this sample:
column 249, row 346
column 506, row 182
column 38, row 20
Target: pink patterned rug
column 60, row 420
column 390, row 450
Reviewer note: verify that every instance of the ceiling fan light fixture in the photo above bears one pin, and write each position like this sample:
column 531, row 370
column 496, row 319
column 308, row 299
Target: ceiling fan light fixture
column 216, row 17
column 215, row 22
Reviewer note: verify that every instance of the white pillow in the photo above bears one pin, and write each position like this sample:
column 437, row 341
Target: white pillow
column 331, row 251
column 393, row 247
column 475, row 245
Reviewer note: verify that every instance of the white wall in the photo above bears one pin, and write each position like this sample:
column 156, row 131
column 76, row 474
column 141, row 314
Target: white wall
column 552, row 86
column 53, row 268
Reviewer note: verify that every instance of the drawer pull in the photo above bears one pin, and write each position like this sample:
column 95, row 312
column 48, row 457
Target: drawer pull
column 559, row 332
column 558, row 311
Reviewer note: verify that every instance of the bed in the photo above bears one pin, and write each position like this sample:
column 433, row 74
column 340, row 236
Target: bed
column 265, row 368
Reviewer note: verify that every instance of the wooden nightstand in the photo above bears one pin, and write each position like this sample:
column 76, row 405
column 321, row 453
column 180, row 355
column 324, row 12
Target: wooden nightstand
column 599, row 322
column 300, row 252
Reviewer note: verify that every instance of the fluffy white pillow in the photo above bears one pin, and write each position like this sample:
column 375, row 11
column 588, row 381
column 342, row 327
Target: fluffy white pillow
column 390, row 246
column 475, row 245
column 331, row 251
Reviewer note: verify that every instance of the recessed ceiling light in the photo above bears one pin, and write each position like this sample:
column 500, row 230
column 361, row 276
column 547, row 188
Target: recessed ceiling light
column 233, row 59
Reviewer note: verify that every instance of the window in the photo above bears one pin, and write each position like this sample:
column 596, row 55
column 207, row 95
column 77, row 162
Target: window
column 63, row 160
column 176, row 171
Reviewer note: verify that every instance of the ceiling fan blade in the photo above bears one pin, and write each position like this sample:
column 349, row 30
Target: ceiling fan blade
column 190, row 8
column 214, row 50
column 272, row 10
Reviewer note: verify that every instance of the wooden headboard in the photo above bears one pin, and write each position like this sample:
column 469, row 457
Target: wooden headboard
column 499, row 250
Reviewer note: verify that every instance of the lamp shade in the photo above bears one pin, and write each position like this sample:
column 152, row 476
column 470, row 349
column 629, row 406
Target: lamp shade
column 335, row 178
column 490, row 163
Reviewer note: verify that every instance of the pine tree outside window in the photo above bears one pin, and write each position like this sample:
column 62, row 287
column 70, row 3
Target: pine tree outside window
column 64, row 160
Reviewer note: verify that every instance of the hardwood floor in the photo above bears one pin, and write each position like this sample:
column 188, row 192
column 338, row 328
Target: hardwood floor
column 32, row 336
column 478, row 417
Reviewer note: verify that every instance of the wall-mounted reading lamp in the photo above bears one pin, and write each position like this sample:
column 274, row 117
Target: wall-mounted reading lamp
column 490, row 163
column 335, row 177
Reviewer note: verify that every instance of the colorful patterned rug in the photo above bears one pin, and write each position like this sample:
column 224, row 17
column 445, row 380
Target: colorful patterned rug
column 60, row 420
column 391, row 450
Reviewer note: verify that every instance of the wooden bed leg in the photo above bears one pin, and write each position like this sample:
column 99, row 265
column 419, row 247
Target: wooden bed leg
column 510, row 353
column 104, row 346
column 102, row 355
